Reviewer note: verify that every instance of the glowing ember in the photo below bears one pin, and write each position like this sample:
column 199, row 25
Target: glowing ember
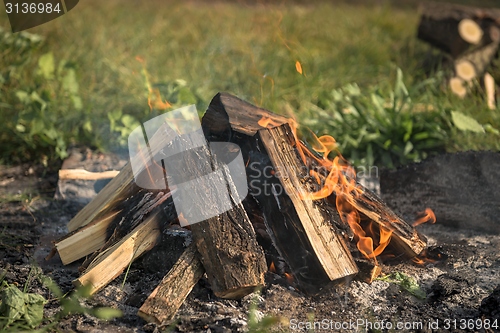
column 426, row 216
column 155, row 101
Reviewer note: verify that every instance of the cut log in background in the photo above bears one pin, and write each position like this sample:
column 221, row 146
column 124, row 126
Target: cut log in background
column 471, row 38
column 125, row 221
column 465, row 185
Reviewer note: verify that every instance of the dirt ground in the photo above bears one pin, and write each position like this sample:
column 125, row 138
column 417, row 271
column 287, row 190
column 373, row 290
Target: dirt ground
column 462, row 291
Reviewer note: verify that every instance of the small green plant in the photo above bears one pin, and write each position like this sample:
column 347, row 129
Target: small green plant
column 378, row 128
column 21, row 308
column 41, row 107
column 23, row 311
column 406, row 283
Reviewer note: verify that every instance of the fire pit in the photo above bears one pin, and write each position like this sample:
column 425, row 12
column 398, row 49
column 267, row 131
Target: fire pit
column 299, row 246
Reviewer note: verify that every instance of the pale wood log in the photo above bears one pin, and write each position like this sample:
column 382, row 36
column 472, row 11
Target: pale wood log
column 457, row 29
column 164, row 302
column 113, row 193
column 457, row 86
column 301, row 231
column 85, row 240
column 82, row 174
column 470, row 31
column 465, row 70
column 490, row 87
column 111, row 263
column 120, row 187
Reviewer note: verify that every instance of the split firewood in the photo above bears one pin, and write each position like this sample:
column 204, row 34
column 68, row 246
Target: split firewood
column 113, row 261
column 134, row 216
column 490, row 87
column 162, row 304
column 82, row 174
column 121, row 203
column 234, row 261
column 105, row 231
column 315, row 253
column 85, row 240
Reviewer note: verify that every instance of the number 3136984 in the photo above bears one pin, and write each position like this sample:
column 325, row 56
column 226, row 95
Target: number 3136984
column 32, row 8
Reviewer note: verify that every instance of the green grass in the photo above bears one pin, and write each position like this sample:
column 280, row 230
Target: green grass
column 248, row 50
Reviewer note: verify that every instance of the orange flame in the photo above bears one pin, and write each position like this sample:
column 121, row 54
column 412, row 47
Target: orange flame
column 289, row 277
column 265, row 122
column 272, row 268
column 426, row 216
column 154, row 97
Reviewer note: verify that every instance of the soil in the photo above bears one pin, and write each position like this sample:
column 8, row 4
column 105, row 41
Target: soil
column 462, row 287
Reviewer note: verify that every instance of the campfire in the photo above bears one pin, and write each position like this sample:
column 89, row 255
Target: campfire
column 303, row 208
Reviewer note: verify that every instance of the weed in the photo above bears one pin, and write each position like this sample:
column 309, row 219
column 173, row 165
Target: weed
column 23, row 311
column 406, row 283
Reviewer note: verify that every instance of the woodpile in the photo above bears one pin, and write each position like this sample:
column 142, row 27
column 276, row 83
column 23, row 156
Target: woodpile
column 471, row 37
column 320, row 222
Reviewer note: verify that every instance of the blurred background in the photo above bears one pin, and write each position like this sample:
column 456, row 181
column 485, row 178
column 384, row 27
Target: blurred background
column 352, row 69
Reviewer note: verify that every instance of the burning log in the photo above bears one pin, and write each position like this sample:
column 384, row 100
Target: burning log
column 315, row 253
column 404, row 237
column 173, row 289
